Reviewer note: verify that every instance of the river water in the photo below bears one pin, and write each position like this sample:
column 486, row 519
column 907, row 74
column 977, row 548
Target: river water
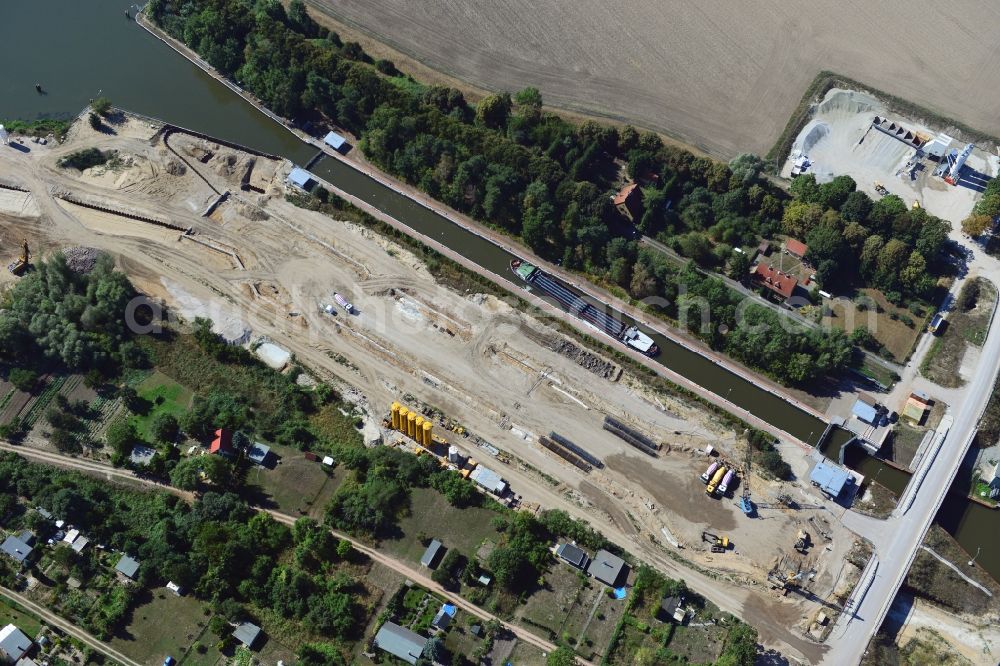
column 91, row 49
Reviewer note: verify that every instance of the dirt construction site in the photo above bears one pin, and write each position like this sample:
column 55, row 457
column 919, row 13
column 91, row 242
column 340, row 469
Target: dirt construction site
column 842, row 138
column 170, row 209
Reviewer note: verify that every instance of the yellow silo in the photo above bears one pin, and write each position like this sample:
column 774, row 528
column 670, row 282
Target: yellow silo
column 418, row 433
column 428, row 426
column 403, row 413
column 411, row 424
column 395, row 416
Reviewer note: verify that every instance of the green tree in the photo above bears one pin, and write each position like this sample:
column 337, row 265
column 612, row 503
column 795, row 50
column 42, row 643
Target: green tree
column 976, row 225
column 561, row 656
column 95, row 121
column 800, row 217
column 24, row 379
column 804, row 189
column 101, row 105
column 121, row 437
column 164, row 428
column 493, row 111
column 186, row 474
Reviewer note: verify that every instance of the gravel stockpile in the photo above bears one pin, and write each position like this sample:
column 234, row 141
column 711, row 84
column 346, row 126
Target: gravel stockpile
column 82, row 259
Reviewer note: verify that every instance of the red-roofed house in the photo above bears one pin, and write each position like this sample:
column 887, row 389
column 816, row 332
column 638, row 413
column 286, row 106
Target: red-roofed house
column 223, row 443
column 796, row 248
column 778, row 282
column 628, row 201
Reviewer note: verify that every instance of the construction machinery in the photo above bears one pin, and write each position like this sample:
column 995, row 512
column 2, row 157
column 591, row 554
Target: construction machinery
column 710, row 472
column 881, row 189
column 746, row 506
column 787, row 580
column 716, row 480
column 19, row 266
column 718, row 544
column 802, row 542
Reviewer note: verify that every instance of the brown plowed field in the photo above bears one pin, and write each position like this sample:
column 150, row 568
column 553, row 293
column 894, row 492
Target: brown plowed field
column 720, row 75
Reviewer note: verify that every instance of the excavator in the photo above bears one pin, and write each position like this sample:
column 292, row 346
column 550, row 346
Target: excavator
column 21, row 265
column 787, row 580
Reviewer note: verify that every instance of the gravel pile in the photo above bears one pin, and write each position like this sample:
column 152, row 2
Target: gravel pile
column 82, row 259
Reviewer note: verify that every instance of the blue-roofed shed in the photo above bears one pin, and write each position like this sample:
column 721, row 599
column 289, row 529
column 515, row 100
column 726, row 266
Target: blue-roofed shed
column 335, row 141
column 830, row 478
column 300, row 178
column 865, row 412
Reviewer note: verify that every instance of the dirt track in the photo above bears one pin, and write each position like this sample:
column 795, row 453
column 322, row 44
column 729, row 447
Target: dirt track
column 719, row 75
column 467, row 355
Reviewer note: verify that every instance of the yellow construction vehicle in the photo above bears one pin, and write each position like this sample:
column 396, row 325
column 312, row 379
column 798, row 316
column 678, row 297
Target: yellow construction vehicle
column 802, row 541
column 881, row 189
column 718, row 544
column 21, row 265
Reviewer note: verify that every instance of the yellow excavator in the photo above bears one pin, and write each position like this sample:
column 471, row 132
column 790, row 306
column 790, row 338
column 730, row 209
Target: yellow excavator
column 21, row 265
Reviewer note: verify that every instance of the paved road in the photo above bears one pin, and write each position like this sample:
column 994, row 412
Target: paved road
column 413, row 574
column 69, row 628
column 897, row 539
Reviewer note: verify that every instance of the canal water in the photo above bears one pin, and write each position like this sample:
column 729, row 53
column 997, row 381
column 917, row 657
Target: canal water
column 92, row 49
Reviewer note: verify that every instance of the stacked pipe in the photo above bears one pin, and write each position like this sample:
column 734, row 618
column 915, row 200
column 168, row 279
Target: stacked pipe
column 566, row 455
column 580, row 451
column 636, row 439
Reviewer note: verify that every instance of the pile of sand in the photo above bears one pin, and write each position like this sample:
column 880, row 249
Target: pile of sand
column 176, row 168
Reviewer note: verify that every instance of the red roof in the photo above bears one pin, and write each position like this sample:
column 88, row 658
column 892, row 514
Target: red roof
column 624, row 194
column 776, row 281
column 223, row 442
column 796, row 248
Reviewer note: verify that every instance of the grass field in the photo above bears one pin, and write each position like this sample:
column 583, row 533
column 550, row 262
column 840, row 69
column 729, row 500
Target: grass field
column 896, row 329
column 636, row 62
column 166, row 624
column 12, row 613
column 573, row 611
column 965, row 327
column 431, row 515
column 164, row 396
column 296, row 485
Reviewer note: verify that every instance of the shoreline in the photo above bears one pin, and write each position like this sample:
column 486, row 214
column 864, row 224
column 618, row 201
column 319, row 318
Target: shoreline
column 591, row 290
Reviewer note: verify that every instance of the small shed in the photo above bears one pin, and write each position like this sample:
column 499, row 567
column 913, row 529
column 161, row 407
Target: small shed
column 175, row 588
column 444, row 616
column 830, row 478
column 247, row 634
column 607, row 568
column 301, row 178
column 259, row 453
column 796, row 248
column 489, row 480
column 400, row 642
column 430, row 556
column 16, row 549
column 865, row 412
column 573, row 556
column 335, row 141
column 764, row 249
column 127, row 567
column 142, row 455
column 79, row 544
column 14, row 644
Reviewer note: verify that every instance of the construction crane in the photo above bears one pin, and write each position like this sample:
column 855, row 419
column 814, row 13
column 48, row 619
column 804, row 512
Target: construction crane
column 746, row 505
column 21, row 264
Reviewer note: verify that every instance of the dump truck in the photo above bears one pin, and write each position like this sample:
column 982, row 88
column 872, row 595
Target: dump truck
column 713, row 485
